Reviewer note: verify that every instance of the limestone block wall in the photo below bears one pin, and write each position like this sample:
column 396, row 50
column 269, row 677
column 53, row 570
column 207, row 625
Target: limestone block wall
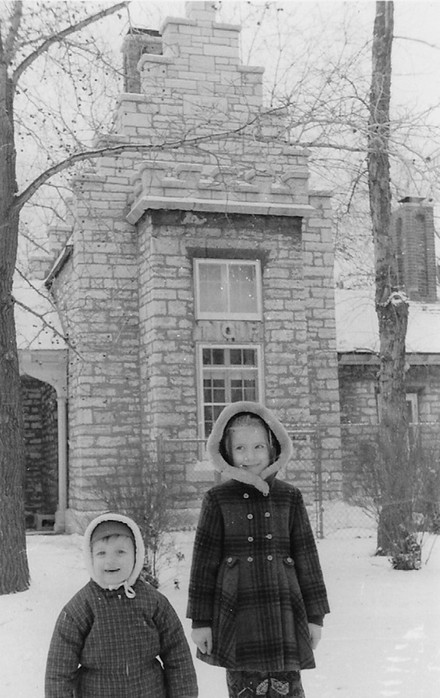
column 358, row 393
column 96, row 293
column 40, row 425
column 318, row 250
column 170, row 333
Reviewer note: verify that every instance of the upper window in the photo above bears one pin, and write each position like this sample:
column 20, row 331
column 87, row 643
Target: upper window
column 227, row 289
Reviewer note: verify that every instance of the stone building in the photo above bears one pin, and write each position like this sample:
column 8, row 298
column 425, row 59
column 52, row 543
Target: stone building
column 195, row 269
column 358, row 344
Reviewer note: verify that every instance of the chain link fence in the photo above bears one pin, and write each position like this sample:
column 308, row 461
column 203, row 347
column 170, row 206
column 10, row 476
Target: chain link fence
column 353, row 511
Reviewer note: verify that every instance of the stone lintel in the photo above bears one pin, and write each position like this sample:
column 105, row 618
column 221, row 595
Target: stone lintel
column 250, row 69
column 178, row 20
column 221, row 26
column 227, row 27
column 321, row 193
column 131, row 97
column 270, row 208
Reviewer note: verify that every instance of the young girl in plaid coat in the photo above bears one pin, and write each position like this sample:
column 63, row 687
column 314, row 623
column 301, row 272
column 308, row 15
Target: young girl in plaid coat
column 109, row 636
column 257, row 598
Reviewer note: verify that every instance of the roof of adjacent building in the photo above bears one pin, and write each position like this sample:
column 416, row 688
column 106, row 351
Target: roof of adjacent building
column 357, row 326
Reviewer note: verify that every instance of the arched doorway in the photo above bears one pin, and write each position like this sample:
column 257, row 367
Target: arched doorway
column 44, row 395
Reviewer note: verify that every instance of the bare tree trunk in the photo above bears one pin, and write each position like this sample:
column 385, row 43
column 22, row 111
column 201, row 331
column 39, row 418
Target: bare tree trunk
column 14, row 572
column 13, row 560
column 391, row 302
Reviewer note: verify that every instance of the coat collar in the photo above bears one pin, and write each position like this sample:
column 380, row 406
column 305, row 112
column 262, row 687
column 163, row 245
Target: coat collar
column 260, row 482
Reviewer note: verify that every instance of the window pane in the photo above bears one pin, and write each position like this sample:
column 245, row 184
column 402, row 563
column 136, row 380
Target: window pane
column 207, row 390
column 219, row 392
column 214, row 390
column 217, row 410
column 218, row 357
column 208, row 419
column 236, row 357
column 249, row 391
column 212, row 288
column 242, row 288
column 249, row 357
column 243, row 390
column 207, row 359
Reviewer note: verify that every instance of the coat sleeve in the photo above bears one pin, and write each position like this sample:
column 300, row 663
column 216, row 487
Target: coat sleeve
column 308, row 567
column 207, row 555
column 175, row 654
column 64, row 655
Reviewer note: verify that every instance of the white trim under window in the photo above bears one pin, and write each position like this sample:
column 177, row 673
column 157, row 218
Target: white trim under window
column 227, row 289
column 226, row 373
column 412, row 404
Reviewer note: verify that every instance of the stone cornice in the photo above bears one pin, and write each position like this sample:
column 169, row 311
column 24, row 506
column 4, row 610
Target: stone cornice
column 270, row 208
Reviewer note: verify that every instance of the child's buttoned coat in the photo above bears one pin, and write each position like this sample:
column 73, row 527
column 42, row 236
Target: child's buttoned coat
column 256, row 577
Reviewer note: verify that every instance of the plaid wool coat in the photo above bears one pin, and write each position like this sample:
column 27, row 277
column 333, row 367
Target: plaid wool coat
column 105, row 645
column 107, row 641
column 256, row 577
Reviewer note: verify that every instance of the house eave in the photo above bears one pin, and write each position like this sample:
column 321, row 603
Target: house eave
column 58, row 265
column 356, row 358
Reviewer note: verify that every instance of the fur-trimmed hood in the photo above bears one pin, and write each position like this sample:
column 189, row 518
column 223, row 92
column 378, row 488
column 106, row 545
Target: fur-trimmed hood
column 223, row 467
column 138, row 542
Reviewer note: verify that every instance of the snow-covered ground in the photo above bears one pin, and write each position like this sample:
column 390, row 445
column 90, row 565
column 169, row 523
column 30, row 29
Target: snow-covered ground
column 382, row 639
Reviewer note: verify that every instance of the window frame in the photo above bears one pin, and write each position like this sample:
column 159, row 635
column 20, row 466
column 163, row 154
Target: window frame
column 200, row 376
column 412, row 400
column 228, row 315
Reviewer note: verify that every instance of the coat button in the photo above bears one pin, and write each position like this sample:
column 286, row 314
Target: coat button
column 229, row 559
column 245, row 496
column 270, row 557
column 250, row 539
column 269, row 536
column 250, row 559
column 267, row 514
column 250, row 516
column 289, row 559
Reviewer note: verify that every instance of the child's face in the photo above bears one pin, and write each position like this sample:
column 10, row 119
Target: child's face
column 250, row 448
column 113, row 560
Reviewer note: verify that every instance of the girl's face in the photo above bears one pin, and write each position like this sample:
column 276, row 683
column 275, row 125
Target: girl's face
column 250, row 448
column 113, row 560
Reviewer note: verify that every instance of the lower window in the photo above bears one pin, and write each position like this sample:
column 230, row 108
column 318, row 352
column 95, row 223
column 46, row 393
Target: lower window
column 227, row 374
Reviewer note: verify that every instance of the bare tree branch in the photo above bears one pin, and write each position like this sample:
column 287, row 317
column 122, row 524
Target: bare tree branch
column 41, row 317
column 59, row 36
column 65, row 164
column 418, row 41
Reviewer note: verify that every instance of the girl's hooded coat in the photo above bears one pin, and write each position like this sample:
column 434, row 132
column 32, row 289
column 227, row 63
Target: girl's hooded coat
column 106, row 641
column 255, row 576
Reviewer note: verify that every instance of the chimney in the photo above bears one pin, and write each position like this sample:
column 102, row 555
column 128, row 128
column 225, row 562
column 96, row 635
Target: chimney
column 137, row 42
column 413, row 229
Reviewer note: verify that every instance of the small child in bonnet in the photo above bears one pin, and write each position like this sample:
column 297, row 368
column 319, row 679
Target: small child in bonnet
column 118, row 637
